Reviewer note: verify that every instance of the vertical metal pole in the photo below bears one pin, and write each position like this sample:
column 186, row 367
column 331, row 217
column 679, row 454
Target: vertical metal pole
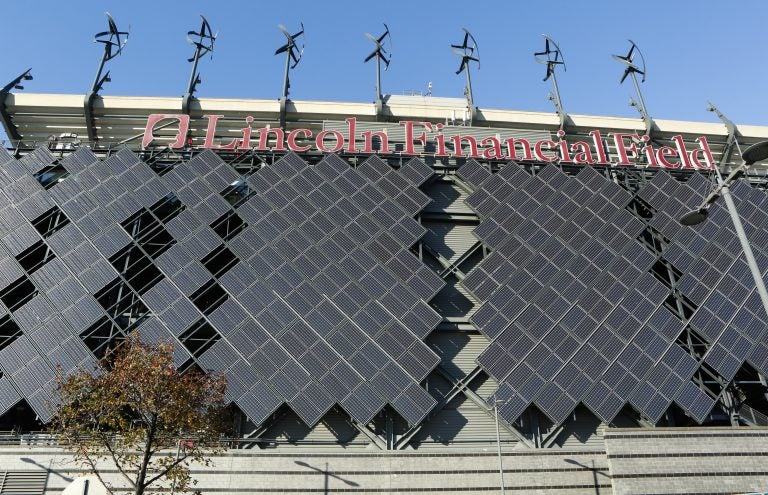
column 639, row 93
column 325, row 486
column 193, row 76
column 498, row 446
column 470, row 99
column 760, row 285
column 378, row 76
column 98, row 72
column 557, row 92
column 287, row 68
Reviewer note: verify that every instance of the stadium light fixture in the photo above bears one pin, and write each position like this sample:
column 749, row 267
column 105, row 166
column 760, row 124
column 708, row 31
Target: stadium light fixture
column 755, row 153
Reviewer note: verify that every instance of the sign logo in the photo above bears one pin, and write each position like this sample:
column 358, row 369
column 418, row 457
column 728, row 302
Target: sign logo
column 627, row 149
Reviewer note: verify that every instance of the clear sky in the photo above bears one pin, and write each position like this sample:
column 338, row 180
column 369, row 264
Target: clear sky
column 695, row 51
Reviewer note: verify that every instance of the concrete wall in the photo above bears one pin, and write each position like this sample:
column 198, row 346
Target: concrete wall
column 238, row 472
column 688, row 460
column 635, row 461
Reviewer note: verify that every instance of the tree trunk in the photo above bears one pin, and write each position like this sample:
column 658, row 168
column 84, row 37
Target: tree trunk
column 142, row 476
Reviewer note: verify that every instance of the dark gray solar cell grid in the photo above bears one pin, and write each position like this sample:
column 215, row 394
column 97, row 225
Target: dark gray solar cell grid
column 416, row 172
column 37, row 159
column 619, row 237
column 473, row 173
column 127, row 184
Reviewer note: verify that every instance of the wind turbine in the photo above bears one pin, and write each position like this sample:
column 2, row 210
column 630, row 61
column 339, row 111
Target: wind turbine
column 289, row 48
column 469, row 51
column 381, row 54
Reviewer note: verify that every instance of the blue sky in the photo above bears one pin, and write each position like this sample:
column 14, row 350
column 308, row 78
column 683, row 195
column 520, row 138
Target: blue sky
column 695, row 51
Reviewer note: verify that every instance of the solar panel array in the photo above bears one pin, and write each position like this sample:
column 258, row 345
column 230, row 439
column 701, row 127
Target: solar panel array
column 301, row 291
column 572, row 310
column 716, row 277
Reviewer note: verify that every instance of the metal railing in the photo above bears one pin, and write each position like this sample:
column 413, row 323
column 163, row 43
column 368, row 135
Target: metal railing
column 48, row 439
column 752, row 416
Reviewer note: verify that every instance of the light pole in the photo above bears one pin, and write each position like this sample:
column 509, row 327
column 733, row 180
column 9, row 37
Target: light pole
column 498, row 441
column 755, row 153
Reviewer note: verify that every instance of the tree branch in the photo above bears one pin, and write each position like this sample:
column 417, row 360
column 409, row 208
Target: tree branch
column 117, row 463
column 167, row 470
column 92, row 464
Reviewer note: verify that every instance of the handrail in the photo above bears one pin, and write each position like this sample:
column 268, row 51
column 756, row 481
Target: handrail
column 44, row 438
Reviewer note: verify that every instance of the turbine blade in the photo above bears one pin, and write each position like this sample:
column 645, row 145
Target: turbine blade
column 626, row 73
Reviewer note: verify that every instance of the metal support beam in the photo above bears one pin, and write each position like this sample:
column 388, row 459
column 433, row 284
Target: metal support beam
column 373, row 437
column 479, row 402
column 456, row 389
column 549, row 438
column 10, row 129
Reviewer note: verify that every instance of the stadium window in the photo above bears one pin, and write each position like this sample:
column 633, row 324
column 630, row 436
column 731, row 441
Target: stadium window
column 219, row 261
column 122, row 304
column 101, row 336
column 167, row 208
column 199, row 338
column 237, row 193
column 209, row 297
column 149, row 233
column 228, row 225
column 18, row 293
column 35, row 256
column 9, row 331
column 51, row 175
column 137, row 269
column 50, row 222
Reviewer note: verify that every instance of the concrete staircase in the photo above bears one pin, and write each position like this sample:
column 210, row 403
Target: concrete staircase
column 23, row 482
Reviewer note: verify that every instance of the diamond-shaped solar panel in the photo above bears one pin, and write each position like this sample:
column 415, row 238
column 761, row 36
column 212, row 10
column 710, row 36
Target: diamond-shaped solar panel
column 571, row 308
column 309, row 295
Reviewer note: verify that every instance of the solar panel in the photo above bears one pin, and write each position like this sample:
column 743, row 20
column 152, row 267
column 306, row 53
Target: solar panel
column 615, row 264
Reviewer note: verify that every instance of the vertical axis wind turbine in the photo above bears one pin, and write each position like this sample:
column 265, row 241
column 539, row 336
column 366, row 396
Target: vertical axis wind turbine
column 468, row 53
column 114, row 41
column 380, row 53
column 203, row 41
column 290, row 54
column 552, row 57
column 632, row 70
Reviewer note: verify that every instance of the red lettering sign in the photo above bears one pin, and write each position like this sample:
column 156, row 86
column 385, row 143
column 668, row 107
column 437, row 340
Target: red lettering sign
column 630, row 149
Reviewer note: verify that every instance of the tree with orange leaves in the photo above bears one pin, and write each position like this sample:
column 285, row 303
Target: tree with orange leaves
column 137, row 412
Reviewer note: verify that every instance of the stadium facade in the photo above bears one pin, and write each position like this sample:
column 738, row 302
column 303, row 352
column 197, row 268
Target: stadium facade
column 396, row 280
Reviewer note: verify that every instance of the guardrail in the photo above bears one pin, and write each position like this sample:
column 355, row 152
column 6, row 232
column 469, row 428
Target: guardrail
column 753, row 416
column 47, row 439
